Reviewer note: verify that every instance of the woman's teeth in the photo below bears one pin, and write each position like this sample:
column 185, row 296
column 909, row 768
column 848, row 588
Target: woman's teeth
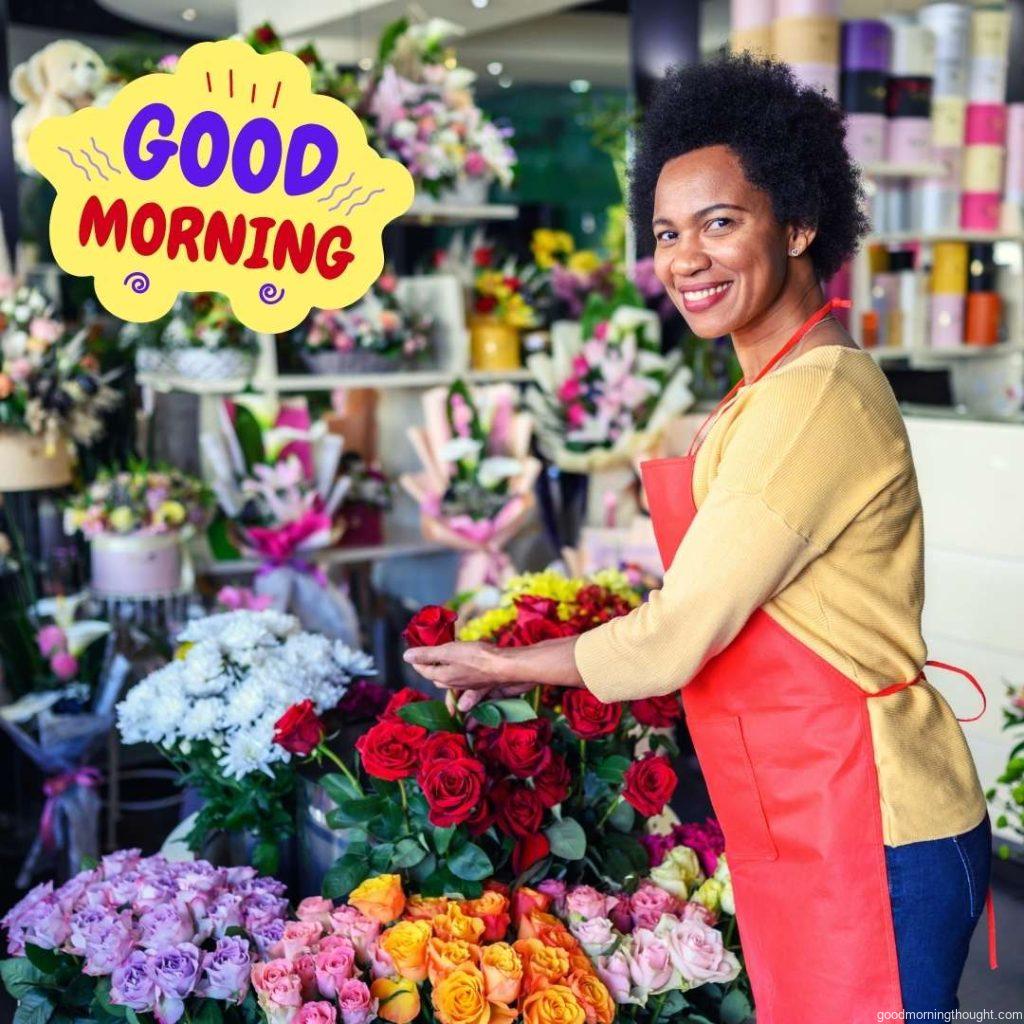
column 705, row 292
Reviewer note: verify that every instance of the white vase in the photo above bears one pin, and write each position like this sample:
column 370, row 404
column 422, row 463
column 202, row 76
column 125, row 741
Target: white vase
column 136, row 565
column 212, row 364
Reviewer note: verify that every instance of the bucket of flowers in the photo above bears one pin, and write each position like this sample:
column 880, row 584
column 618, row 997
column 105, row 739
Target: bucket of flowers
column 378, row 334
column 52, row 396
column 501, row 311
column 137, row 521
column 475, row 489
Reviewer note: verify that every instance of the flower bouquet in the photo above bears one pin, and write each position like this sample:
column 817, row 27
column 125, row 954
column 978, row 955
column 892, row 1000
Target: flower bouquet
column 1009, row 788
column 214, row 709
column 565, row 277
column 421, row 111
column 377, row 334
column 50, row 392
column 278, row 481
column 501, row 309
column 138, row 936
column 136, row 521
column 474, row 491
column 325, row 77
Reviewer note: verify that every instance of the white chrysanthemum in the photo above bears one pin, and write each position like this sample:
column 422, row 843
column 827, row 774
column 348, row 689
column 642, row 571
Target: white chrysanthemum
column 252, row 750
column 203, row 661
column 245, row 704
column 167, row 709
column 356, row 663
column 202, row 719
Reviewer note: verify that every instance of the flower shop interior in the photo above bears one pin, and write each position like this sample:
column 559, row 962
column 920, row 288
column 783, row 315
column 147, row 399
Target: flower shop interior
column 216, row 542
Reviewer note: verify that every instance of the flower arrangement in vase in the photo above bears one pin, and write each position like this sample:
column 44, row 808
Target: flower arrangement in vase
column 378, row 334
column 564, row 277
column 137, row 521
column 501, row 310
column 213, row 711
column 51, row 392
column 475, row 489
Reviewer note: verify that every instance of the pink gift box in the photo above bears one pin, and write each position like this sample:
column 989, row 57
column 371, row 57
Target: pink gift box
column 986, row 124
column 1015, row 148
column 979, row 211
column 947, row 321
column 909, row 140
column 865, row 137
column 818, row 76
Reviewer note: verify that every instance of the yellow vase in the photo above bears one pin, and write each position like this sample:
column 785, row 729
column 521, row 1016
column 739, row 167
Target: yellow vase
column 494, row 346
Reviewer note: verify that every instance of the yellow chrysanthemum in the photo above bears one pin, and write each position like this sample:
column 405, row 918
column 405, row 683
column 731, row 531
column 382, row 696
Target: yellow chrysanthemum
column 586, row 261
column 484, row 626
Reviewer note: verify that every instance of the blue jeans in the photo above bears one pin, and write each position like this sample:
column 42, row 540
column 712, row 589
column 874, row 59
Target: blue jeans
column 938, row 890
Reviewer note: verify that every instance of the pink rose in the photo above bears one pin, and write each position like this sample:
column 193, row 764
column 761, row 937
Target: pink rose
column 315, row 908
column 305, row 968
column 698, row 952
column 360, row 930
column 335, row 966
column 44, row 329
column 650, row 965
column 356, row 1004
column 595, row 935
column 575, row 415
column 476, row 165
column 381, row 965
column 299, row 937
column 614, row 972
column 316, row 1013
column 697, row 912
column 286, row 991
column 269, row 972
column 649, row 902
column 622, row 915
column 556, row 889
column 584, row 901
column 64, row 666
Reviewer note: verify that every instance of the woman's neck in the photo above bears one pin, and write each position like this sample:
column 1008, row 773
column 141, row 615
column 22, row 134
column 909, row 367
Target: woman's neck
column 757, row 341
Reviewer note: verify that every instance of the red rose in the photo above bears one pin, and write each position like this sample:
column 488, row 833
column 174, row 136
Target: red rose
column 453, row 788
column 649, row 784
column 524, row 747
column 588, row 717
column 533, row 631
column 482, row 817
column 658, row 711
column 406, row 695
column 482, row 255
column 528, row 851
column 390, row 750
column 485, row 745
column 486, row 304
column 553, row 783
column 519, row 810
column 493, row 885
column 430, row 627
column 442, row 746
column 299, row 730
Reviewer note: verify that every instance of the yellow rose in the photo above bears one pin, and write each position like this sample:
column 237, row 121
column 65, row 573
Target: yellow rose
column 585, row 261
column 553, row 1005
column 399, row 1000
column 679, row 872
column 122, row 519
column 542, row 965
column 444, row 956
column 593, row 996
column 503, row 972
column 424, row 908
column 454, row 924
column 709, row 894
column 406, row 944
column 380, row 898
column 460, row 998
column 723, row 876
column 171, row 512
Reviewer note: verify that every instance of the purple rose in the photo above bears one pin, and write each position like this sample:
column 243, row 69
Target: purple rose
column 132, row 985
column 225, row 971
column 13, row 918
column 166, row 924
column 175, row 972
column 120, row 861
column 223, row 913
column 234, row 877
column 86, row 921
column 262, row 905
column 107, row 946
column 44, row 924
column 266, row 932
column 75, row 890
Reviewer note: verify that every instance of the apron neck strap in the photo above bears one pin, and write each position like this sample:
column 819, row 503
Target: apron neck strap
column 815, row 318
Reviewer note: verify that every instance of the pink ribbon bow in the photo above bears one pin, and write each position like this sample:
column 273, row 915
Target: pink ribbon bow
column 55, row 787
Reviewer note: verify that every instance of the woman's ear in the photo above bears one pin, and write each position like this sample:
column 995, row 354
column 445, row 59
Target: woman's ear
column 799, row 238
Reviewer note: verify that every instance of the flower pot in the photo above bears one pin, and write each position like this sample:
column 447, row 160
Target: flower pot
column 212, row 364
column 331, row 361
column 153, row 360
column 136, row 565
column 30, row 464
column 494, row 346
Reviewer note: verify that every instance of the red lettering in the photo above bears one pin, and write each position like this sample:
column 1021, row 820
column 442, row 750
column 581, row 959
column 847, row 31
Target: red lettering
column 288, row 248
column 217, row 237
column 152, row 214
column 332, row 264
column 186, row 223
column 95, row 220
column 256, row 258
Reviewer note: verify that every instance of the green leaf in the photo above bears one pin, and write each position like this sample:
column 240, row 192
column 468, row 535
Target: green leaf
column 471, row 864
column 735, row 1008
column 380, row 857
column 567, row 838
column 408, row 853
column 209, row 1012
column 34, row 1007
column 266, row 856
column 390, row 823
column 45, row 959
column 623, row 817
column 443, row 839
column 425, row 868
column 515, row 709
column 103, row 998
column 250, row 437
column 488, row 714
column 431, row 714
column 20, row 975
column 338, row 788
column 344, row 875
column 361, row 808
column 611, row 769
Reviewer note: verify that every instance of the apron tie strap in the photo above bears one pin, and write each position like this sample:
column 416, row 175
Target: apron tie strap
column 974, row 682
column 990, row 913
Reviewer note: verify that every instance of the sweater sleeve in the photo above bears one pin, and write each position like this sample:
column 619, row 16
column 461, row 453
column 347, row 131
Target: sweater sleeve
column 801, row 460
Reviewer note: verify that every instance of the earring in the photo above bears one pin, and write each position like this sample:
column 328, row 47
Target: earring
column 794, row 252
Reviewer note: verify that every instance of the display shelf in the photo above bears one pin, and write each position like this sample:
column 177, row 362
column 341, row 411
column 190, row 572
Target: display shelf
column 885, row 169
column 457, row 213
column 901, row 237
column 938, row 355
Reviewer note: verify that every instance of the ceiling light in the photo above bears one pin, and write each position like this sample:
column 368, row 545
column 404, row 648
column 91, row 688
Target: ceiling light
column 480, row 4
column 189, row 14
column 495, row 67
column 579, row 85
column 365, row 63
column 505, row 81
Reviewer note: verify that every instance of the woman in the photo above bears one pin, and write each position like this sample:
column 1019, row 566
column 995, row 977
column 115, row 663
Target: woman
column 857, row 832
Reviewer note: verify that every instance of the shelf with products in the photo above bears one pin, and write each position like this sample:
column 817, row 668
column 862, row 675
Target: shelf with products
column 928, row 238
column 941, row 355
column 429, row 213
column 885, row 170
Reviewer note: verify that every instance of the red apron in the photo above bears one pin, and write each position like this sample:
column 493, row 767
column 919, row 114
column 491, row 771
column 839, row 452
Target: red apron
column 784, row 742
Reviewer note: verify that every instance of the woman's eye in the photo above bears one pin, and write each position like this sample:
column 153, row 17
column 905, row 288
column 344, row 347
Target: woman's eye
column 665, row 236
column 720, row 222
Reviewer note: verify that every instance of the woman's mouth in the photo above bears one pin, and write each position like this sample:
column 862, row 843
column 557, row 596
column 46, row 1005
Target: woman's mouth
column 696, row 300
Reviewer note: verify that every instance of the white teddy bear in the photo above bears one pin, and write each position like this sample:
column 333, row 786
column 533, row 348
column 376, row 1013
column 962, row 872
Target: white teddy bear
column 58, row 80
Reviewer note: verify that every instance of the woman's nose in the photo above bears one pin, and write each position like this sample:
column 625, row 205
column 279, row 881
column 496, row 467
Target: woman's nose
column 687, row 260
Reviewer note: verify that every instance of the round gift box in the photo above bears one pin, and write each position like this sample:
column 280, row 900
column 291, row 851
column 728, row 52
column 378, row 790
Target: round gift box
column 863, row 92
column 983, row 168
column 820, row 77
column 990, row 32
column 909, row 140
column 909, row 97
column 1014, row 183
column 950, row 161
column 947, row 321
column 866, row 45
column 949, row 268
column 940, row 208
column 806, row 40
column 135, row 564
column 985, row 124
column 865, row 137
column 913, row 50
column 28, row 465
column 981, row 319
column 750, row 14
column 807, row 9
column 494, row 346
column 986, row 80
column 979, row 211
column 949, row 115
column 757, row 40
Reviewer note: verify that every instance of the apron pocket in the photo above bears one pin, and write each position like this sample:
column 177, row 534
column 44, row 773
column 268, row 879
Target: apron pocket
column 729, row 774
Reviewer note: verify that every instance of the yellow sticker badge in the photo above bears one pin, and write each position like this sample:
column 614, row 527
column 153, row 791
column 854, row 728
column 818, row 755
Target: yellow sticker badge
column 228, row 175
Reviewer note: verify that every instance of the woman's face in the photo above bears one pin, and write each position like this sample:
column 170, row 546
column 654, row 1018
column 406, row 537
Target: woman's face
column 720, row 252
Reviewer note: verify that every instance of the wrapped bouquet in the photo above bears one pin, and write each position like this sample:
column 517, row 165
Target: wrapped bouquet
column 475, row 489
column 213, row 711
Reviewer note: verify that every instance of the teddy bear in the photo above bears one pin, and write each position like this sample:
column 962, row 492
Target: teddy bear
column 61, row 78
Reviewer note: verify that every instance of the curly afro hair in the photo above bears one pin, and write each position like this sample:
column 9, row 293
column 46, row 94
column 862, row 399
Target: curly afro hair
column 789, row 140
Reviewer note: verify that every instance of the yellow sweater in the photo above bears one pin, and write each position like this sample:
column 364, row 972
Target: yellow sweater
column 808, row 507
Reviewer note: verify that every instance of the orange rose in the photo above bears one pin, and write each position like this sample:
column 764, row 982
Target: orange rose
column 492, row 909
column 6, row 386
column 553, row 1005
column 593, row 996
column 542, row 965
column 503, row 972
column 547, row 928
column 460, row 998
column 399, row 1000
column 579, row 961
column 379, row 898
column 525, row 899
column 406, row 944
column 424, row 908
column 444, row 956
column 454, row 924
